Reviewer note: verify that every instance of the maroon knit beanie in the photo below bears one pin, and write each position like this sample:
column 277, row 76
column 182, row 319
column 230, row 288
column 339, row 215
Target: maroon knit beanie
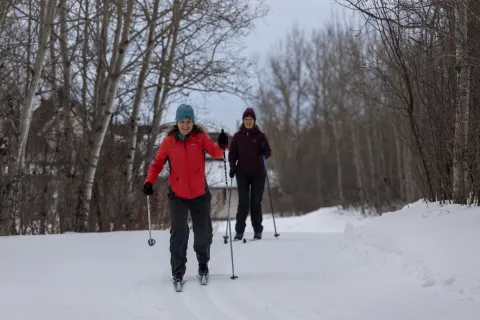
column 249, row 112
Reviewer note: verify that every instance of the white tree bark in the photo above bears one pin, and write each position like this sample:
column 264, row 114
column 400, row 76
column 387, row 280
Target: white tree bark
column 68, row 151
column 164, row 84
column 138, row 98
column 136, row 110
column 104, row 118
column 47, row 16
column 160, row 100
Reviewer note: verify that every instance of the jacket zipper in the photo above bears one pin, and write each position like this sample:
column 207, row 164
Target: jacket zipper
column 188, row 169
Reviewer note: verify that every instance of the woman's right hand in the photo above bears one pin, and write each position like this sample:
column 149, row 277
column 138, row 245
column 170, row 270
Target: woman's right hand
column 147, row 189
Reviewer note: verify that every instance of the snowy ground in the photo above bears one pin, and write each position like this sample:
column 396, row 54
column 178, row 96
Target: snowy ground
column 418, row 263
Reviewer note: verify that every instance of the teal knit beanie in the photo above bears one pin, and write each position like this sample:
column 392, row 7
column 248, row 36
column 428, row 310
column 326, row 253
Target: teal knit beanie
column 184, row 111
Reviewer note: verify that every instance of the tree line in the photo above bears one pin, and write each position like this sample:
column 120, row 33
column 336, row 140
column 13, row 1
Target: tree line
column 372, row 115
column 378, row 113
column 84, row 86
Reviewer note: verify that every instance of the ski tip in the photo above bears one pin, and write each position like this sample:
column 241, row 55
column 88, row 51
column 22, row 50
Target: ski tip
column 203, row 279
column 244, row 240
column 178, row 285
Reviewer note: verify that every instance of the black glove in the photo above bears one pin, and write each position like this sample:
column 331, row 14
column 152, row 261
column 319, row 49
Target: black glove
column 232, row 173
column 223, row 140
column 147, row 189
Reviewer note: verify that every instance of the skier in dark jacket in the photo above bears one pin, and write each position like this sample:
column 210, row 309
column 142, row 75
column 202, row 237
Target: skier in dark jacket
column 184, row 148
column 247, row 149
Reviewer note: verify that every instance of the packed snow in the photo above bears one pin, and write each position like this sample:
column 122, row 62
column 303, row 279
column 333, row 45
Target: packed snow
column 417, row 263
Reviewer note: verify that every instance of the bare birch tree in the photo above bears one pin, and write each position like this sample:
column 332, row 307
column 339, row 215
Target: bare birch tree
column 47, row 16
column 117, row 68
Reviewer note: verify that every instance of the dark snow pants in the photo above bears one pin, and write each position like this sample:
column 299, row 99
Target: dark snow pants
column 250, row 194
column 200, row 209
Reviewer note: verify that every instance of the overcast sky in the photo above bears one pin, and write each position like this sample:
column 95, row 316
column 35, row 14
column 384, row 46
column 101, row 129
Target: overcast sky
column 226, row 110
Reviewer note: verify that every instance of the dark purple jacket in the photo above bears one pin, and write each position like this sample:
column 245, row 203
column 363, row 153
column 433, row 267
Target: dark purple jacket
column 245, row 154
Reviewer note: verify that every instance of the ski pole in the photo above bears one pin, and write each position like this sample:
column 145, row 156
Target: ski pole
column 233, row 277
column 270, row 195
column 228, row 191
column 151, row 241
column 227, row 202
column 225, row 237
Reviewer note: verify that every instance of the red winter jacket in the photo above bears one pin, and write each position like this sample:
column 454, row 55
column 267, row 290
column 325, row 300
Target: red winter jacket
column 187, row 163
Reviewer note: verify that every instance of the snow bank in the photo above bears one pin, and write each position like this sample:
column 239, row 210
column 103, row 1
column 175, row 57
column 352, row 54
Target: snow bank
column 331, row 219
column 436, row 244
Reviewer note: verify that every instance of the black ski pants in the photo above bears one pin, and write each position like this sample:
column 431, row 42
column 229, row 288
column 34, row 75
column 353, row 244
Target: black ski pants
column 200, row 209
column 250, row 194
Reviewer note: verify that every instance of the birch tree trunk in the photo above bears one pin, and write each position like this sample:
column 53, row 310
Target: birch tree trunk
column 460, row 169
column 104, row 118
column 160, row 100
column 47, row 16
column 138, row 97
column 163, row 89
column 101, row 53
column 29, row 42
column 136, row 110
column 67, row 149
column 85, row 50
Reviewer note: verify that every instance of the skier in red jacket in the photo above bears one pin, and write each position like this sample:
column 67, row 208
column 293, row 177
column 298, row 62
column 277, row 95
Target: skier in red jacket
column 184, row 148
column 248, row 147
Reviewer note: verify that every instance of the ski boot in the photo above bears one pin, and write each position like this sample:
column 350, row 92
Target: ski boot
column 203, row 273
column 178, row 282
column 238, row 236
column 257, row 236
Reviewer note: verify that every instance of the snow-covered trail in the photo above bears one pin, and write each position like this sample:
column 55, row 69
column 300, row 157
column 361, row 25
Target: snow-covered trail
column 297, row 276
